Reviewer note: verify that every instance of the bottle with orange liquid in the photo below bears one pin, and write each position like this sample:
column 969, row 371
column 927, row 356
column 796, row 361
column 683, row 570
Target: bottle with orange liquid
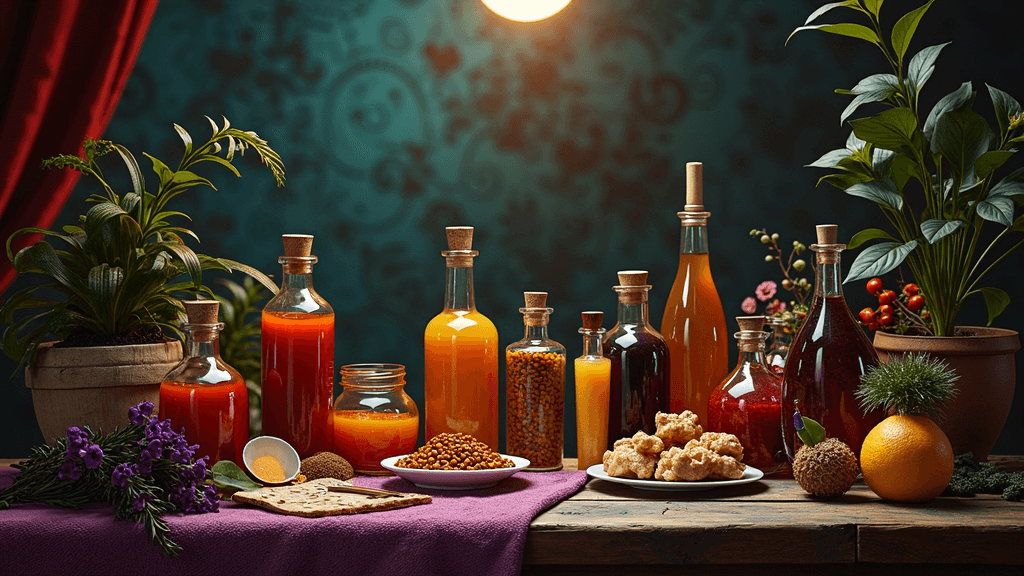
column 593, row 381
column 374, row 418
column 460, row 366
column 694, row 323
column 203, row 394
column 298, row 355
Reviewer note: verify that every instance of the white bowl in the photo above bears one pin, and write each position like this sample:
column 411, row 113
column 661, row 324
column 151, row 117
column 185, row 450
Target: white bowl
column 272, row 446
column 455, row 479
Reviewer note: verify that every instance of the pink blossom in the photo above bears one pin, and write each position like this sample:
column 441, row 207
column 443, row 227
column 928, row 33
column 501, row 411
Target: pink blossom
column 765, row 290
column 749, row 305
column 774, row 307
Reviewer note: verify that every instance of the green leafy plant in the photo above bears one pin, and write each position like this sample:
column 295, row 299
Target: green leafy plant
column 240, row 338
column 116, row 276
column 952, row 157
column 907, row 385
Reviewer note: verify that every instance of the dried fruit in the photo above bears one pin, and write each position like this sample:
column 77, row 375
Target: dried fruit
column 824, row 468
column 326, row 465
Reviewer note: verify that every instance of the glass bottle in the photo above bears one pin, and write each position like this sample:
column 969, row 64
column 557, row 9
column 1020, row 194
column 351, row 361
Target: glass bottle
column 779, row 351
column 694, row 323
column 639, row 362
column 535, row 390
column 748, row 402
column 593, row 380
column 829, row 354
column 460, row 366
column 204, row 395
column 373, row 417
column 298, row 355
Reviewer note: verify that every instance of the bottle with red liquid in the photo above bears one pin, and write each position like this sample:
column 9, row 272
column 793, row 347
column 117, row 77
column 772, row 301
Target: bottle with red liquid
column 640, row 362
column 298, row 355
column 748, row 402
column 829, row 354
column 204, row 395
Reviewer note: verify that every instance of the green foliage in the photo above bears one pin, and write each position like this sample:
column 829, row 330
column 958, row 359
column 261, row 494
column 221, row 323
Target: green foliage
column 983, row 478
column 953, row 156
column 228, row 476
column 812, row 432
column 123, row 267
column 240, row 338
column 910, row 384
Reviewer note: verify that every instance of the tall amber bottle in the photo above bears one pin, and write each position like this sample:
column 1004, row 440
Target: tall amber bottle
column 827, row 358
column 460, row 366
column 298, row 355
column 694, row 323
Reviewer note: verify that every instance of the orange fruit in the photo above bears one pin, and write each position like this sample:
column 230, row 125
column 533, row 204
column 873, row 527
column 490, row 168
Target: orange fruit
column 907, row 459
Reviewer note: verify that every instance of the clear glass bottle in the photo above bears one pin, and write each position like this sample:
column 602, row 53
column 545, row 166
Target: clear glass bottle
column 693, row 324
column 593, row 380
column 298, row 355
column 640, row 362
column 373, row 417
column 829, row 354
column 779, row 350
column 748, row 402
column 203, row 394
column 460, row 365
column 535, row 390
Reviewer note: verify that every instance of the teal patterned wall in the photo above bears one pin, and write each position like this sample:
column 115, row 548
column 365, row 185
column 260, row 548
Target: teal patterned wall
column 563, row 142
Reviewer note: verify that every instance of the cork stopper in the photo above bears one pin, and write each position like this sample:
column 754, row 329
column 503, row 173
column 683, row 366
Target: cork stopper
column 694, row 187
column 828, row 246
column 297, row 245
column 592, row 320
column 536, row 311
column 201, row 311
column 459, row 237
column 536, row 299
column 827, row 233
column 632, row 277
column 632, row 286
column 751, row 323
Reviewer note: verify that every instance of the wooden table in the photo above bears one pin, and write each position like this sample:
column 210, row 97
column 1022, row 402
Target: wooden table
column 773, row 527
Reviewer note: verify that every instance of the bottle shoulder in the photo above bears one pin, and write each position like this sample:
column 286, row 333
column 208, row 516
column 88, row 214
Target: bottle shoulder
column 298, row 301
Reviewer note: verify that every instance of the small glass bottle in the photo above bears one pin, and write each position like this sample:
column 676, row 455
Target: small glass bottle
column 640, row 362
column 203, row 394
column 593, row 381
column 779, row 351
column 694, row 323
column 460, row 364
column 298, row 355
column 829, row 354
column 535, row 390
column 373, row 417
column 748, row 402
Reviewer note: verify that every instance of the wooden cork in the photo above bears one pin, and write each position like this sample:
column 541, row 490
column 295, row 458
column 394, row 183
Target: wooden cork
column 201, row 311
column 694, row 187
column 536, row 299
column 459, row 237
column 592, row 320
column 751, row 323
column 635, row 279
column 827, row 233
column 632, row 277
column 297, row 245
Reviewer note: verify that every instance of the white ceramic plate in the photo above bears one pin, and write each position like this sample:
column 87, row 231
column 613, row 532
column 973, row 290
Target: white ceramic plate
column 455, row 479
column 751, row 474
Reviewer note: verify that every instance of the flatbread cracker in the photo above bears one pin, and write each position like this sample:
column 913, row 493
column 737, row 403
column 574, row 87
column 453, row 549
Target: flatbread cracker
column 312, row 500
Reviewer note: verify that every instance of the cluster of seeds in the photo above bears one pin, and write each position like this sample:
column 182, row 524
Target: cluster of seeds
column 535, row 383
column 456, row 451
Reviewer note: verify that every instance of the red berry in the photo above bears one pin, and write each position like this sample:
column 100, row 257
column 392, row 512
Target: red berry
column 874, row 285
column 872, row 325
column 886, row 309
column 911, row 290
column 867, row 315
column 887, row 297
column 887, row 320
column 915, row 303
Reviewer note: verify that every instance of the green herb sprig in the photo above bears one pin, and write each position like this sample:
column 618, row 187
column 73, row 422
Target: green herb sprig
column 909, row 384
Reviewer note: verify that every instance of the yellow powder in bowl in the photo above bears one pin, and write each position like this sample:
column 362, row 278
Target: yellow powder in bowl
column 268, row 469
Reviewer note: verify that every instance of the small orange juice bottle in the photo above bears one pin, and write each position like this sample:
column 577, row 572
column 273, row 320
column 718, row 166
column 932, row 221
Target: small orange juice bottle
column 593, row 382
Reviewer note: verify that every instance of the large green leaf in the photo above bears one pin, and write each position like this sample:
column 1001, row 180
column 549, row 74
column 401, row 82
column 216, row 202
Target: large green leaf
column 961, row 137
column 904, row 30
column 999, row 209
column 879, row 259
column 901, row 170
column 187, row 257
column 873, row 6
column 843, row 29
column 830, row 159
column 990, row 161
column 42, row 258
column 162, row 170
column 104, row 283
column 936, row 229
column 893, row 129
column 1012, row 185
column 231, row 265
column 138, row 182
column 1005, row 106
column 845, row 3
column 883, row 193
column 922, row 65
column 996, row 301
column 962, row 97
column 867, row 235
column 865, row 98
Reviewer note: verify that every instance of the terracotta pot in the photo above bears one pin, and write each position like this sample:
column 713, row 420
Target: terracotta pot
column 975, row 417
column 95, row 386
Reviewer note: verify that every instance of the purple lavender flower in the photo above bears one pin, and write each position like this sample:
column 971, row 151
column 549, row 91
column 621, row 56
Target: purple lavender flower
column 78, row 440
column 122, row 473
column 139, row 414
column 69, row 471
column 140, row 502
column 145, row 465
column 155, row 448
column 93, row 456
column 798, row 421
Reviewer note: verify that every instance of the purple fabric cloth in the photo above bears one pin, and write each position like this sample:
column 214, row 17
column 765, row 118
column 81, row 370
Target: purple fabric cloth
column 474, row 533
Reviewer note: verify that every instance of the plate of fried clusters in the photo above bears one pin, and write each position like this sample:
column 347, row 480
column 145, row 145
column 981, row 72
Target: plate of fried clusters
column 454, row 461
column 680, row 456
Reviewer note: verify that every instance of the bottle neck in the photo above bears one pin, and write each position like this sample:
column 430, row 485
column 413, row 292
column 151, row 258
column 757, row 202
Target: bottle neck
column 536, row 332
column 202, row 342
column 694, row 239
column 751, row 348
column 829, row 274
column 592, row 342
column 297, row 272
column 633, row 313
column 458, row 289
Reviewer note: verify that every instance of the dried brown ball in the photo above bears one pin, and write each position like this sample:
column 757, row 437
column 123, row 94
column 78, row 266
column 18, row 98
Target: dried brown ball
column 326, row 465
column 827, row 469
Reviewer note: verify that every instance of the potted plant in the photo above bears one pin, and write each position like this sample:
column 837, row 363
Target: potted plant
column 945, row 165
column 111, row 288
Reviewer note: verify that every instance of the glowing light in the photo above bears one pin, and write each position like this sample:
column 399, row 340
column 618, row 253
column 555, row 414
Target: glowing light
column 526, row 10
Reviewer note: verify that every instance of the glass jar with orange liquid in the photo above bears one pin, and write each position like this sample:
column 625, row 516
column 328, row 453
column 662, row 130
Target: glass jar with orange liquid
column 298, row 355
column 203, row 394
column 373, row 417
column 460, row 365
column 593, row 382
column 694, row 323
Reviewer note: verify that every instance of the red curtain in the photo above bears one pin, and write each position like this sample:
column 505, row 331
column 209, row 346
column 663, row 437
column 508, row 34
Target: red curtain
column 63, row 65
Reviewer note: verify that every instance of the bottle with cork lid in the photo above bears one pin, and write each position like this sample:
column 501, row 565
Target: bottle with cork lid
column 593, row 380
column 748, row 401
column 639, row 362
column 203, row 394
column 535, row 390
column 830, row 353
column 460, row 364
column 298, row 355
column 693, row 323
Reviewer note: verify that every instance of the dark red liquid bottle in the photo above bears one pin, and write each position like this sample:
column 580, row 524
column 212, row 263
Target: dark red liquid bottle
column 827, row 358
